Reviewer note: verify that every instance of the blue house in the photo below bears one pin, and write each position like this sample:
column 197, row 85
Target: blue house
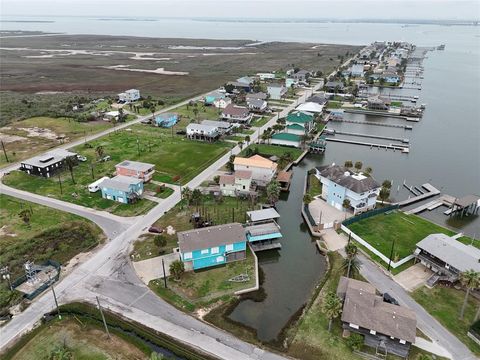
column 210, row 98
column 212, row 246
column 166, row 120
column 124, row 189
column 262, row 229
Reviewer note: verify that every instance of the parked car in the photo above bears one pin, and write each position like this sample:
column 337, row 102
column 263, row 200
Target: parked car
column 81, row 158
column 106, row 158
column 146, row 121
column 390, row 299
column 155, row 229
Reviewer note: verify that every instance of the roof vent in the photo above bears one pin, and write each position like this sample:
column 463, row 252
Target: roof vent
column 346, row 173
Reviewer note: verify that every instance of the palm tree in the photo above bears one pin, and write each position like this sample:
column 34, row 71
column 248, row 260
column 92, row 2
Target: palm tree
column 471, row 280
column 387, row 184
column 121, row 115
column 331, row 307
column 384, row 194
column 240, row 144
column 26, row 215
column 351, row 251
column 358, row 165
column 346, row 204
column 368, row 170
column 177, row 268
column 70, row 164
column 99, row 150
column 273, row 191
column 348, row 164
column 247, row 139
column 187, row 194
column 152, row 110
column 307, row 198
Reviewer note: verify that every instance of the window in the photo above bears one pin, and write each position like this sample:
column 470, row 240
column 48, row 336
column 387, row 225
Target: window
column 187, row 255
column 354, row 326
column 220, row 259
column 204, row 251
column 215, row 250
column 373, row 332
column 229, row 247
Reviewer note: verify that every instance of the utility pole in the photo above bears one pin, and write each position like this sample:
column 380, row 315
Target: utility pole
column 164, row 276
column 391, row 254
column 91, row 168
column 56, row 303
column 138, row 146
column 4, row 152
column 60, row 183
column 103, row 317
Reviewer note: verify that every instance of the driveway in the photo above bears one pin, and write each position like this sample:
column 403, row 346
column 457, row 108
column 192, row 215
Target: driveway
column 413, row 277
column 325, row 214
column 151, row 269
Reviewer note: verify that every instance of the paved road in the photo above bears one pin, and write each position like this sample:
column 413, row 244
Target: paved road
column 109, row 274
column 427, row 323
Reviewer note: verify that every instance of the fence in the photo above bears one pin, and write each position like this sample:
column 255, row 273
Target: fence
column 44, row 286
column 370, row 213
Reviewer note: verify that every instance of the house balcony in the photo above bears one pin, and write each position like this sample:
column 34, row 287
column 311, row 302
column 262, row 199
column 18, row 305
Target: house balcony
column 261, row 232
column 437, row 266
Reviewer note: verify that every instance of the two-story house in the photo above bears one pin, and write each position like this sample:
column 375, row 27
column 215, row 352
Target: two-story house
column 212, row 246
column 129, row 96
column 340, row 183
column 263, row 170
column 124, row 189
column 262, row 229
column 166, row 120
column 136, row 169
column 47, row 164
column 210, row 98
column 300, row 119
column 222, row 103
column 276, row 91
column 237, row 114
column 257, row 105
column 223, row 127
column 388, row 328
column 202, row 132
column 236, row 184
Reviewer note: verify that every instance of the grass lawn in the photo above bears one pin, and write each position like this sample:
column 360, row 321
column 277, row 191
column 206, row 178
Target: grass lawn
column 204, row 112
column 270, row 150
column 444, row 304
column 259, row 122
column 234, row 138
column 145, row 247
column 83, row 340
column 315, row 186
column 161, row 192
column 406, row 230
column 27, row 146
column 334, row 105
column 51, row 234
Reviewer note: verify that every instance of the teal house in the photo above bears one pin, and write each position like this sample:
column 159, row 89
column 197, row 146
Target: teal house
column 286, row 139
column 124, row 189
column 300, row 118
column 212, row 246
column 212, row 97
column 166, row 120
column 262, row 229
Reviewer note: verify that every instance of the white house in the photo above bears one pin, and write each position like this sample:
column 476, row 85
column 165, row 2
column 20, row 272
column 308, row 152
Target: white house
column 357, row 70
column 276, row 91
column 238, row 183
column 221, row 103
column 257, row 105
column 339, row 183
column 236, row 114
column 223, row 127
column 263, row 170
column 202, row 132
column 266, row 76
column 129, row 96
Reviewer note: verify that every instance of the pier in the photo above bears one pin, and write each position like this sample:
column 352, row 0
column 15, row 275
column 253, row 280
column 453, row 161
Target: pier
column 403, row 140
column 393, row 147
column 445, row 200
column 430, row 191
column 381, row 113
column 406, row 127
column 391, row 97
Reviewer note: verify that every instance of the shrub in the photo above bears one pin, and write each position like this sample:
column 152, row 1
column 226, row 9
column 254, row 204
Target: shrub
column 355, row 342
column 160, row 241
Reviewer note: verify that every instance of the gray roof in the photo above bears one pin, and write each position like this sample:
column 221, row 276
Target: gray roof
column 49, row 158
column 364, row 308
column 209, row 237
column 218, row 124
column 467, row 200
column 259, row 95
column 257, row 103
column 120, row 182
column 344, row 177
column 202, row 127
column 135, row 165
column 318, row 98
column 332, row 84
column 264, row 214
column 453, row 252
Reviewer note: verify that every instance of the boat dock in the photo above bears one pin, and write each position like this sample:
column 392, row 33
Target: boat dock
column 406, row 127
column 260, row 246
column 402, row 148
column 430, row 191
column 381, row 113
column 445, row 200
column 403, row 140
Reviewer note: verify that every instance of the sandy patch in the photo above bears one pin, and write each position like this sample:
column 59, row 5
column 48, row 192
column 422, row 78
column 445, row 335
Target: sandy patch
column 77, row 260
column 170, row 230
column 139, row 56
column 4, row 232
column 10, row 138
column 159, row 71
column 41, row 132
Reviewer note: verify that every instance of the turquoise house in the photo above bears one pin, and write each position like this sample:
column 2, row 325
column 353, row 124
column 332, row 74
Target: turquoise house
column 166, row 120
column 124, row 189
column 210, row 98
column 262, row 229
column 212, row 246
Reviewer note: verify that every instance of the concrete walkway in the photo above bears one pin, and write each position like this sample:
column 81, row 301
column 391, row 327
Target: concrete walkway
column 431, row 347
column 334, row 241
column 151, row 269
column 413, row 277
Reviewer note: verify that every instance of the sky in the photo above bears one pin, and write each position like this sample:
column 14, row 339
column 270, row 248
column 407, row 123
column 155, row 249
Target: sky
column 322, row 9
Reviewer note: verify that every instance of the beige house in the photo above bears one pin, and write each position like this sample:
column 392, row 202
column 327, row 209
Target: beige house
column 263, row 170
column 238, row 183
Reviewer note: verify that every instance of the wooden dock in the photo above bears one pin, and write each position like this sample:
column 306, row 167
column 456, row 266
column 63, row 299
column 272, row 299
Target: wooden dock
column 265, row 246
column 430, row 191
column 445, row 200
column 402, row 148
column 403, row 140
column 381, row 113
column 406, row 127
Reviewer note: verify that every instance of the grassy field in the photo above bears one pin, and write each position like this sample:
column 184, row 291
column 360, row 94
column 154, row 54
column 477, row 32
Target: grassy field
column 271, row 150
column 26, row 146
column 50, row 234
column 145, row 247
column 334, row 105
column 85, row 342
column 259, row 122
column 406, row 230
column 315, row 187
column 444, row 304
column 204, row 112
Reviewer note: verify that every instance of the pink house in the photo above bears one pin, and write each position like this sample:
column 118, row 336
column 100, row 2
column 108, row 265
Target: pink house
column 136, row 169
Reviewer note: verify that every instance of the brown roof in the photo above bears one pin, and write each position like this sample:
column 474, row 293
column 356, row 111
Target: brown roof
column 209, row 237
column 466, row 200
column 255, row 161
column 284, row 176
column 364, row 308
column 243, row 174
column 235, row 110
column 227, row 179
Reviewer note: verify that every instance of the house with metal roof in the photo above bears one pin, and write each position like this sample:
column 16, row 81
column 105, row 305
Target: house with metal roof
column 257, row 105
column 340, row 183
column 388, row 328
column 276, row 91
column 446, row 257
column 223, row 127
column 129, row 96
column 263, row 170
column 136, row 169
column 301, row 118
column 288, row 138
column 124, row 189
column 262, row 229
column 202, row 132
column 166, row 120
column 212, row 246
column 211, row 97
column 258, row 95
column 47, row 164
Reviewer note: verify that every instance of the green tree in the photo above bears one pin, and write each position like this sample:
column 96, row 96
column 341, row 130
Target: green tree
column 351, row 250
column 368, row 171
column 387, row 184
column 331, row 307
column 348, row 164
column 152, row 110
column 470, row 279
column 61, row 352
column 187, row 194
column 273, row 191
column 196, row 196
column 100, row 151
column 160, row 241
column 384, row 194
column 240, row 144
column 355, row 341
column 156, row 356
column 177, row 268
column 121, row 115
column 247, row 139
column 70, row 162
column 230, row 165
column 346, row 204
column 307, row 198
column 26, row 216
column 358, row 165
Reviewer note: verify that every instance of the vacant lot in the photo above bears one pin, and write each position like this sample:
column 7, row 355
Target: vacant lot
column 85, row 64
column 85, row 342
column 406, row 230
column 49, row 234
column 23, row 139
